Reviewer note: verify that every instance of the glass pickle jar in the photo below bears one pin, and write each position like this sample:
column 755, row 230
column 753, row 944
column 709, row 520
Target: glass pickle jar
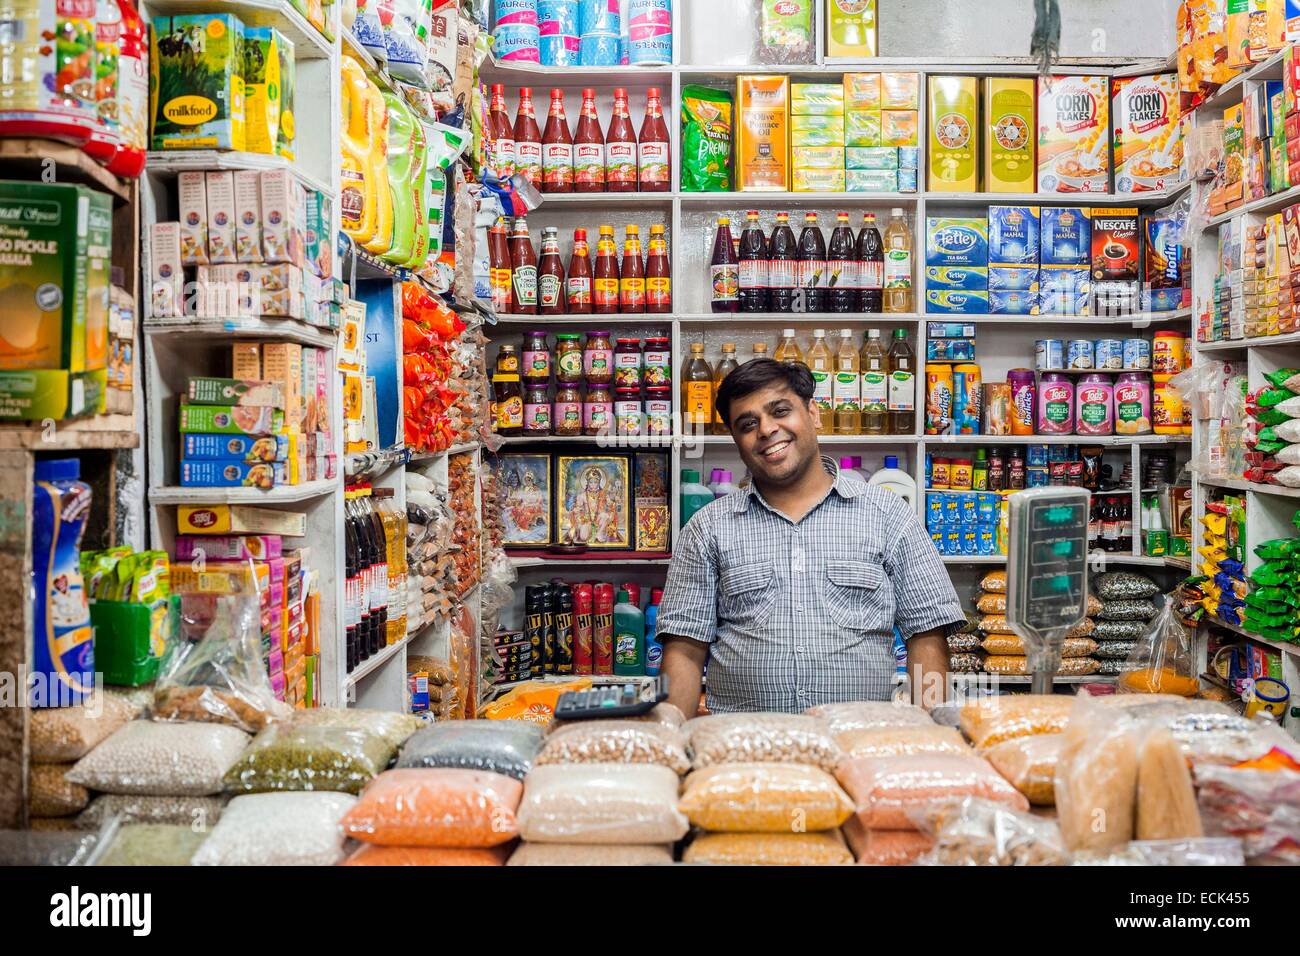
column 566, row 413
column 537, row 358
column 628, row 412
column 598, row 359
column 568, row 359
column 657, row 362
column 659, row 411
column 537, row 410
column 627, row 363
column 597, row 410
column 507, row 360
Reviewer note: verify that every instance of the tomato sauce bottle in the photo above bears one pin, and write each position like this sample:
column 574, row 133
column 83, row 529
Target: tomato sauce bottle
column 620, row 148
column 605, row 287
column 528, row 140
column 523, row 263
column 502, row 143
column 579, row 282
column 588, row 149
column 557, row 149
column 499, row 267
column 658, row 274
column 550, row 275
column 653, row 169
column 631, row 283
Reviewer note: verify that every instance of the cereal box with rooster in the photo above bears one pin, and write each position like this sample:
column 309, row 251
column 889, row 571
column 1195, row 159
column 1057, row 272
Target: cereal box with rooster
column 1148, row 133
column 1074, row 134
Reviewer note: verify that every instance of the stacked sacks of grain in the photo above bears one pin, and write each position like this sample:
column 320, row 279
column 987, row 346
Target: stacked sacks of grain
column 60, row 736
column 1020, row 735
column 1127, row 608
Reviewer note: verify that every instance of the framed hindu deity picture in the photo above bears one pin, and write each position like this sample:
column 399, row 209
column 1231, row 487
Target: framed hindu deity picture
column 650, row 501
column 592, row 501
column 525, row 482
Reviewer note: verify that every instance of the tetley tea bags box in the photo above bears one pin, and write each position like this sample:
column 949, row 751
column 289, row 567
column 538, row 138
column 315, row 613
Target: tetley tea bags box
column 197, row 93
column 1073, row 134
column 55, row 243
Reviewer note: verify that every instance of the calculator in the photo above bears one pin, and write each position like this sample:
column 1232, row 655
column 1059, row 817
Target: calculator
column 610, row 700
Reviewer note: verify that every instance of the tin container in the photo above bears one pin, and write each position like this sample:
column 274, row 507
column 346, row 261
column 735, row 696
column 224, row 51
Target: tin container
column 1079, row 354
column 938, row 399
column 1137, row 354
column 1109, row 355
column 1049, row 354
column 1023, row 400
column 966, row 399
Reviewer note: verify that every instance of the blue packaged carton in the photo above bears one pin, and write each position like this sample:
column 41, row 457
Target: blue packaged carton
column 1064, row 291
column 951, row 509
column 909, row 157
column 950, row 350
column 933, row 509
column 952, row 542
column 1013, row 302
column 1037, row 477
column 235, row 447
column 907, row 179
column 987, row 506
column 1065, row 234
column 939, row 538
column 954, row 302
column 231, row 474
column 1013, row 235
column 986, row 536
column 969, row 508
column 960, row 241
column 1013, row 278
column 969, row 542
column 958, row 278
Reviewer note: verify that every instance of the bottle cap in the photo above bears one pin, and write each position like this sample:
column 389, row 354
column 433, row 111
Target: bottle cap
column 897, row 212
column 891, row 461
column 787, row 333
column 58, row 469
column 846, row 462
column 900, row 333
column 857, row 461
column 624, row 598
column 690, row 476
column 724, row 476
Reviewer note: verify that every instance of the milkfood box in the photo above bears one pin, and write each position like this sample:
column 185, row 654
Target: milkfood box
column 248, row 216
column 954, row 134
column 196, row 89
column 1073, row 134
column 262, row 88
column 192, row 200
column 221, row 218
column 1010, row 135
column 762, row 133
column 1148, row 133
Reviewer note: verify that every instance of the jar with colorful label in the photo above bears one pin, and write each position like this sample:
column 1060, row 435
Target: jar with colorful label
column 960, row 475
column 537, row 410
column 1133, row 404
column 566, row 411
column 537, row 358
column 1024, row 401
column 1167, row 353
column 598, row 359
column 1166, row 409
column 629, row 418
column 940, row 474
column 627, row 364
column 657, row 361
column 568, row 359
column 509, row 400
column 1095, row 405
column 659, row 411
column 1055, row 405
column 597, row 410
column 507, row 360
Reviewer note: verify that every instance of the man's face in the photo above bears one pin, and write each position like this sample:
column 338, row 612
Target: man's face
column 776, row 433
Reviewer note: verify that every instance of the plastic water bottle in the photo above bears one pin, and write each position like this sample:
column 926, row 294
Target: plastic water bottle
column 895, row 479
column 694, row 495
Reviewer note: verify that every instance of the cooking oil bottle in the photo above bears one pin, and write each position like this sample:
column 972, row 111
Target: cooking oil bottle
column 697, row 393
column 725, row 365
column 820, row 363
column 847, row 388
column 898, row 263
column 875, row 385
column 787, row 350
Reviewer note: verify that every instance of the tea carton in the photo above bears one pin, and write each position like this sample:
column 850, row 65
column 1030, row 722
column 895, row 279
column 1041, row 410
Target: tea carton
column 871, row 157
column 239, row 519
column 817, row 157
column 900, row 128
column 246, row 360
column 1064, row 290
column 956, row 278
column 862, row 128
column 818, row 180
column 1148, row 133
column 816, row 131
column 1015, row 301
column 876, row 181
column 762, row 133
column 950, row 302
column 862, row 91
column 1014, row 235
column 817, row 99
column 1009, row 135
column 900, row 91
column 197, row 93
column 957, row 241
column 1073, row 134
column 1116, row 261
column 192, row 198
column 954, row 106
column 1065, row 236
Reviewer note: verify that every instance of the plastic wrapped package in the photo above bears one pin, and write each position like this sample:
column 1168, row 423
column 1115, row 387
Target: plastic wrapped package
column 885, row 847
column 1120, row 630
column 1205, row 851
column 764, row 798
column 1162, row 660
column 1258, row 804
column 162, row 758
column 30, row 848
column 996, row 624
column 763, row 738
column 900, row 741
column 886, row 790
column 869, row 715
column 62, row 734
column 1166, row 807
column 445, row 808
column 500, row 746
column 193, row 812
column 964, row 643
column 994, row 581
column 824, row 848
column 51, row 794
column 1069, row 666
column 1094, row 606
column 393, row 727
column 578, row 854
column 1134, row 610
column 966, row 663
column 991, row 720
column 1029, row 764
column 616, row 741
column 1012, row 645
column 785, row 33
column 994, row 602
column 1096, row 779
column 1123, row 586
column 214, row 671
column 151, row 844
column 601, row 803
column 278, row 829
column 664, row 714
column 977, row 832
column 533, row 702
column 1114, row 650
column 371, row 855
column 294, row 756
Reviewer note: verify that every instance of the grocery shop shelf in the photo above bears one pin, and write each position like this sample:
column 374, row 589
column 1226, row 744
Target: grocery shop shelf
column 308, row 42
column 1160, row 198
column 613, row 442
column 1230, row 92
column 1238, row 484
column 725, row 200
column 1269, row 204
column 1131, row 560
column 23, row 157
column 1056, row 439
column 688, row 440
column 284, row 494
column 494, row 71
column 169, row 162
column 829, row 319
column 1019, row 679
column 535, row 558
column 372, row 664
column 1137, row 320
column 73, row 434
column 1276, row 645
column 294, row 330
column 586, row 318
column 580, row 200
column 1236, row 345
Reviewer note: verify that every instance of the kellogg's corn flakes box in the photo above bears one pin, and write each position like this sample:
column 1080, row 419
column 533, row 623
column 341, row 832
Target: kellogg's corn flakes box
column 1148, row 133
column 1074, row 134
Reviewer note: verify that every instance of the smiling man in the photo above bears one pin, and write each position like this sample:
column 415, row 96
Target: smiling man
column 791, row 588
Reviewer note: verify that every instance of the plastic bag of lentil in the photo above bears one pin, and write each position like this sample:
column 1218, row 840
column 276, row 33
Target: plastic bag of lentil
column 151, row 844
column 1124, row 586
column 445, row 807
column 899, row 741
column 869, row 715
column 824, row 848
column 992, row 603
column 764, row 798
column 991, row 720
column 884, row 847
column 577, row 854
column 995, row 581
column 1011, row 644
column 371, row 855
column 296, row 756
column 1119, row 630
column 278, row 829
column 500, row 746
column 51, row 794
column 615, row 741
column 963, row 643
column 30, row 848
column 886, row 790
column 762, row 737
column 1029, row 763
column 1111, row 667
column 1129, row 610
column 601, row 803
column 1015, row 664
column 162, row 758
column 1094, row 606
column 1162, row 660
column 61, row 734
column 1112, row 650
column 194, row 812
column 966, row 663
column 393, row 727
column 978, row 832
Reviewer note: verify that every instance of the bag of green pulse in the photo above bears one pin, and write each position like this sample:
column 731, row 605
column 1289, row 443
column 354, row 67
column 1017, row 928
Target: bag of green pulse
column 694, row 495
column 629, row 638
column 63, row 668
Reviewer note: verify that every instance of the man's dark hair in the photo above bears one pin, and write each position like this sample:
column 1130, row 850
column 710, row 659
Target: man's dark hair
column 758, row 374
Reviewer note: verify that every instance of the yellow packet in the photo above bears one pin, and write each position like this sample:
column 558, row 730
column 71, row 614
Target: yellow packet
column 900, row 91
column 862, row 91
column 900, row 128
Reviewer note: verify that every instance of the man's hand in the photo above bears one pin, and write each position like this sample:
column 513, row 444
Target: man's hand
column 927, row 668
column 684, row 664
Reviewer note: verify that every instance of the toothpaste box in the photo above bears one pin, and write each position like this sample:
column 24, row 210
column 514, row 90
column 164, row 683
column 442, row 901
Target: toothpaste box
column 231, row 474
column 872, row 180
column 230, row 391
column 1065, row 236
column 235, row 447
column 221, row 217
column 1013, row 235
column 248, row 216
column 956, row 278
column 254, row 547
column 192, row 199
column 1013, row 278
column 952, row 302
column 231, row 420
column 1013, row 302
column 871, row 157
column 957, row 241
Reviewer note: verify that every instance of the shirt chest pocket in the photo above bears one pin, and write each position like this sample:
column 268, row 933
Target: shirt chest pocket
column 857, row 596
column 747, row 594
